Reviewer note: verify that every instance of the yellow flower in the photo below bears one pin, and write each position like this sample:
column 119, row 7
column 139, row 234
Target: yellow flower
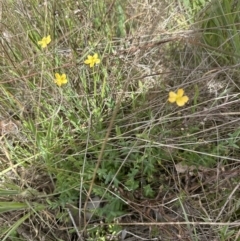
column 60, row 79
column 91, row 60
column 45, row 41
column 178, row 97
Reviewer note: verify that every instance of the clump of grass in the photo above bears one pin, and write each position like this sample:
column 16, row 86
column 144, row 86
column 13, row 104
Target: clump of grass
column 219, row 21
column 95, row 125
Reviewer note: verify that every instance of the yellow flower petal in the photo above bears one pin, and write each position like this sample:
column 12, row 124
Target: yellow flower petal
column 87, row 61
column 172, row 97
column 90, row 57
column 48, row 39
column 182, row 101
column 97, row 61
column 180, row 92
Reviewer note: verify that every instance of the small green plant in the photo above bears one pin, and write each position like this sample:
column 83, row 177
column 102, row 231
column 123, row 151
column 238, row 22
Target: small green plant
column 226, row 234
column 193, row 8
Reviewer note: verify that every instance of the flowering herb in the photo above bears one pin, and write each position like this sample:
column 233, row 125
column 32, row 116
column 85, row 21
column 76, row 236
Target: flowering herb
column 91, row 60
column 60, row 79
column 44, row 42
column 178, row 97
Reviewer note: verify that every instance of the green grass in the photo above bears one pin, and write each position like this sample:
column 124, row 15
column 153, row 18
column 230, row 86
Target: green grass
column 221, row 31
column 110, row 135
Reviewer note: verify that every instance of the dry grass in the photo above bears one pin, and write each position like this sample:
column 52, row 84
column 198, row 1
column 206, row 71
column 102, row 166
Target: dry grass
column 109, row 140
